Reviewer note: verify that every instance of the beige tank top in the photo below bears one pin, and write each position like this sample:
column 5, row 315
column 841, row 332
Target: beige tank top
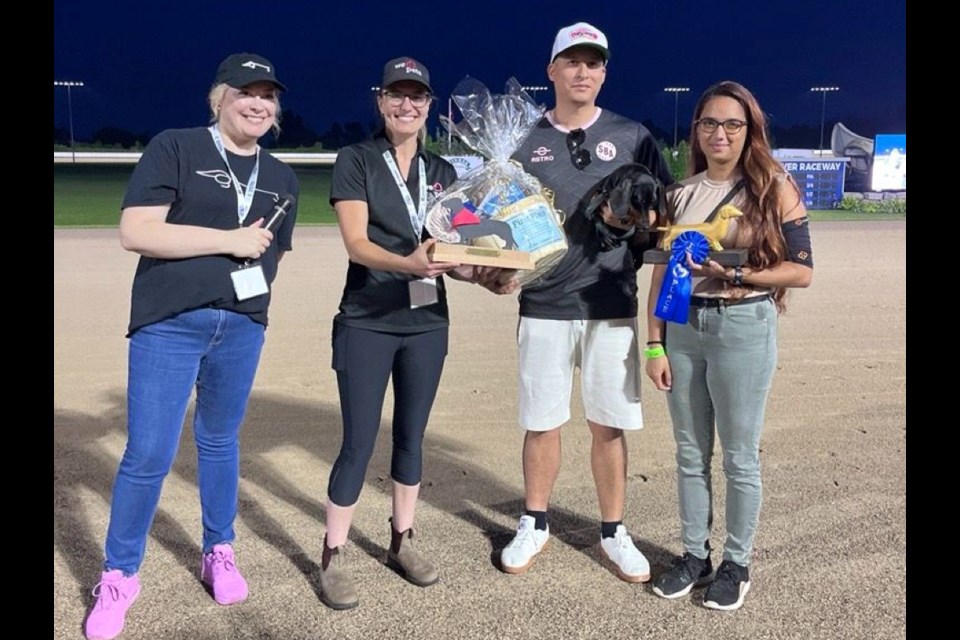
column 692, row 201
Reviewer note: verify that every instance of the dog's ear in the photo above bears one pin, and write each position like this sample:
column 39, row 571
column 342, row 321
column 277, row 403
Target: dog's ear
column 656, row 201
column 620, row 199
column 645, row 196
column 594, row 198
column 646, row 193
column 656, row 194
column 593, row 202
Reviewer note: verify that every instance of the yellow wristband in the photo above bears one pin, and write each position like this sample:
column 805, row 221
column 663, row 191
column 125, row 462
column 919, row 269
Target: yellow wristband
column 654, row 352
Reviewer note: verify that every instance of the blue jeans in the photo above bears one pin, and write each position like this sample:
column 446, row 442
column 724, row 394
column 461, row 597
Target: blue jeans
column 722, row 363
column 217, row 352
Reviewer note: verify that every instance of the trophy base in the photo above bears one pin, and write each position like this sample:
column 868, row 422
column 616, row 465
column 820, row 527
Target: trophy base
column 727, row 257
column 482, row 256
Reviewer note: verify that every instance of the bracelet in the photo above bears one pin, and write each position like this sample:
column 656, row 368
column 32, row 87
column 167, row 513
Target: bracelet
column 654, row 352
column 650, row 342
column 737, row 279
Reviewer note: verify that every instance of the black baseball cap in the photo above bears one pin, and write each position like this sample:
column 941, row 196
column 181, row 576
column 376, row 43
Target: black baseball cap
column 405, row 68
column 240, row 69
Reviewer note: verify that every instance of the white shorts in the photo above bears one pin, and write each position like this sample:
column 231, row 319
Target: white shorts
column 609, row 360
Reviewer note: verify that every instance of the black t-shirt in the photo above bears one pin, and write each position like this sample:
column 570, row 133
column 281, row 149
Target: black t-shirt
column 587, row 283
column 380, row 300
column 181, row 168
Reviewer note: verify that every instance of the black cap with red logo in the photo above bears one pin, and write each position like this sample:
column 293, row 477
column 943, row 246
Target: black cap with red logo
column 405, row 68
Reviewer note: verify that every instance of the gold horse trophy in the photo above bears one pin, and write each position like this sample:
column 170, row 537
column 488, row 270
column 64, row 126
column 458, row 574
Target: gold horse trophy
column 714, row 231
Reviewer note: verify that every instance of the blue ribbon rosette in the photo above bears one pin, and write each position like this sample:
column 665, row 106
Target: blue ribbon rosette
column 673, row 303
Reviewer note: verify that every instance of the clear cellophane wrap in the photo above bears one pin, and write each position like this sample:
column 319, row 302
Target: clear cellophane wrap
column 495, row 126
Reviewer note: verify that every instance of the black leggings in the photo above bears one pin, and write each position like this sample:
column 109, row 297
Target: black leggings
column 364, row 360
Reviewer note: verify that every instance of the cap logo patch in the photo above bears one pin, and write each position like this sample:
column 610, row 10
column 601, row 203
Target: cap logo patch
column 582, row 33
column 250, row 64
column 409, row 67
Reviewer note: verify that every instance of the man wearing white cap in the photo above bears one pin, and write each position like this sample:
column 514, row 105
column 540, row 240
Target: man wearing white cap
column 582, row 313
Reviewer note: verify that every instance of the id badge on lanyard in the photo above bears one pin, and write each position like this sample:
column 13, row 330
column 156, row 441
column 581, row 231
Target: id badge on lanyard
column 423, row 292
column 248, row 279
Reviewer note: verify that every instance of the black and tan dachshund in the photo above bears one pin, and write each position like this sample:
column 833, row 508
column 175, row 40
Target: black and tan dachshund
column 632, row 191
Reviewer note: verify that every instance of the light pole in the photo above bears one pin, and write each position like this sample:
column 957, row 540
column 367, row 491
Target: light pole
column 823, row 109
column 450, row 120
column 69, row 84
column 533, row 89
column 676, row 91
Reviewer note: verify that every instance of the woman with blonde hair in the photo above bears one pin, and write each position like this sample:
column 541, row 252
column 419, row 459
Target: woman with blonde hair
column 196, row 210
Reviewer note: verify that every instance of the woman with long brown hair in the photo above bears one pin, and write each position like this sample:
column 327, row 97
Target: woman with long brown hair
column 717, row 361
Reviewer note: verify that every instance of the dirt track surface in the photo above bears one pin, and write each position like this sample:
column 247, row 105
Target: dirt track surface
column 829, row 559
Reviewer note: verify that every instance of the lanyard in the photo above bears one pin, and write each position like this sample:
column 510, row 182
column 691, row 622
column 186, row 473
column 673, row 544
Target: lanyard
column 244, row 199
column 417, row 215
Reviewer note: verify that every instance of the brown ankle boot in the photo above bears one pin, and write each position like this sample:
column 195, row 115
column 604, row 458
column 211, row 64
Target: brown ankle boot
column 336, row 585
column 404, row 557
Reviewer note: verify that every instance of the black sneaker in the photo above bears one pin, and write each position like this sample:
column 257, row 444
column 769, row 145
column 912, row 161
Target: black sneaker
column 729, row 587
column 687, row 572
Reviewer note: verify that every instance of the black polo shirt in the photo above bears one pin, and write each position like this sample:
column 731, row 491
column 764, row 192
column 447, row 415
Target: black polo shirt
column 380, row 300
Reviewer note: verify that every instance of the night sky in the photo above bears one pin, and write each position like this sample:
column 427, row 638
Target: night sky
column 148, row 66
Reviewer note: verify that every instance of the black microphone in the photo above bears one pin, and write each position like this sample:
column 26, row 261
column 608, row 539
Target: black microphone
column 279, row 211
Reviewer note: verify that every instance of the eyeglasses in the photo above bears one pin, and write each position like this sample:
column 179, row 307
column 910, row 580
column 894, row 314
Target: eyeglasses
column 578, row 155
column 396, row 98
column 709, row 125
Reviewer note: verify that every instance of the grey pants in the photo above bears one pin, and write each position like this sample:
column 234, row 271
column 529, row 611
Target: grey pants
column 722, row 362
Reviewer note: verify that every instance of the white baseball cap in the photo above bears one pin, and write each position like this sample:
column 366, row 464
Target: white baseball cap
column 580, row 34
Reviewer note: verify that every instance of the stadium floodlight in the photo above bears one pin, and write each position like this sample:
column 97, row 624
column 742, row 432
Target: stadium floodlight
column 823, row 109
column 70, row 84
column 533, row 88
column 676, row 91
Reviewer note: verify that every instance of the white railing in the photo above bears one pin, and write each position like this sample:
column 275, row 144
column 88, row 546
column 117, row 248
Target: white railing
column 132, row 157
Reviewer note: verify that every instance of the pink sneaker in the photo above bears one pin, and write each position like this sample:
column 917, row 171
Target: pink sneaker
column 114, row 594
column 219, row 571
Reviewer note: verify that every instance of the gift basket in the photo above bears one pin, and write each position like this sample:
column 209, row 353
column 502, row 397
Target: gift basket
column 497, row 207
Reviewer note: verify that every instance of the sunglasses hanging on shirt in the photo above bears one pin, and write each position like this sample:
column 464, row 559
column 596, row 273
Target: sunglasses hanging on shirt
column 578, row 155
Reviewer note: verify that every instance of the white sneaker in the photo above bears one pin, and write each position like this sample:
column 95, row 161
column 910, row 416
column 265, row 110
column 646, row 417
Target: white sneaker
column 517, row 556
column 625, row 559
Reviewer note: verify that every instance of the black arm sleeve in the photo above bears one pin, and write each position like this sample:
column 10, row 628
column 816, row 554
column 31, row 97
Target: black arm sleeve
column 796, row 234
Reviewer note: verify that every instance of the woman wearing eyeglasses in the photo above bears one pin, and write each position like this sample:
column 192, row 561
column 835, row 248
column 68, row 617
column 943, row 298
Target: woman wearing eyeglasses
column 392, row 321
column 718, row 365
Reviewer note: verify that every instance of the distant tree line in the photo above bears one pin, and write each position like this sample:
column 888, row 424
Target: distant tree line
column 296, row 134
